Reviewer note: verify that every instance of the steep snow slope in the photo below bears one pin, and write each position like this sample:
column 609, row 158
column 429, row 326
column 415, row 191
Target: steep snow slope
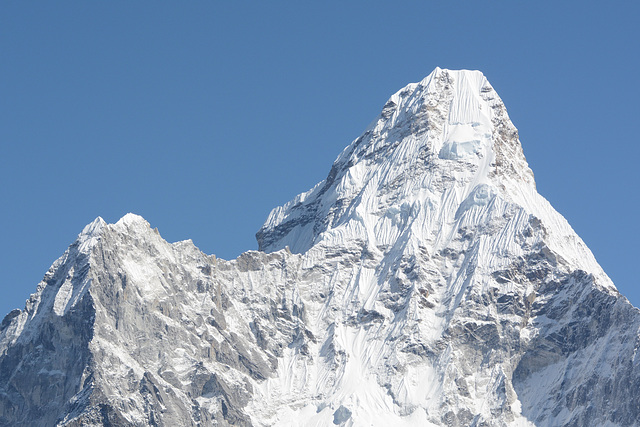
column 423, row 282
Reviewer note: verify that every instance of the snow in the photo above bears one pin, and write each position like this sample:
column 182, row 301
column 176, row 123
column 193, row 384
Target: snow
column 131, row 219
column 90, row 234
column 64, row 295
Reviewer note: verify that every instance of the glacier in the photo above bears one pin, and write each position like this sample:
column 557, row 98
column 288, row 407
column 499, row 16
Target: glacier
column 423, row 282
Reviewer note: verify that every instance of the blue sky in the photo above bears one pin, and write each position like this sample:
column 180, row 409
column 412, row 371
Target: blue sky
column 203, row 116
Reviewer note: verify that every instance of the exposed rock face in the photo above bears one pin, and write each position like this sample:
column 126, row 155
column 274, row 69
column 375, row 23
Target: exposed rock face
column 424, row 282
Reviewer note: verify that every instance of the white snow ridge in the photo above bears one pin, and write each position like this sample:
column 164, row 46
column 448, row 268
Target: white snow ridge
column 424, row 282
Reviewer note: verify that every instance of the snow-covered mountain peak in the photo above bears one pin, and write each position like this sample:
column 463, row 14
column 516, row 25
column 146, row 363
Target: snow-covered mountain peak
column 94, row 227
column 132, row 220
column 90, row 234
column 448, row 136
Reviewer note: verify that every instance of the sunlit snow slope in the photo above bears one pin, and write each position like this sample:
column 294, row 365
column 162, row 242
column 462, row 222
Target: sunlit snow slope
column 423, row 282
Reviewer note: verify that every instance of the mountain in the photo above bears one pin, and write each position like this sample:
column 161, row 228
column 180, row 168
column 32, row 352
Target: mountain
column 423, row 282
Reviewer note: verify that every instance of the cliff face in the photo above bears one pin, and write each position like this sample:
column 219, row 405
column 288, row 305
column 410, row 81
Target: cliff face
column 423, row 282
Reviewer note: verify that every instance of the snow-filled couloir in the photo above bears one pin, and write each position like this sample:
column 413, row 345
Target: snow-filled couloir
column 423, row 282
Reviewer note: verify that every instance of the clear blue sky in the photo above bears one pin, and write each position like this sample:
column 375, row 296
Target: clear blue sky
column 203, row 116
